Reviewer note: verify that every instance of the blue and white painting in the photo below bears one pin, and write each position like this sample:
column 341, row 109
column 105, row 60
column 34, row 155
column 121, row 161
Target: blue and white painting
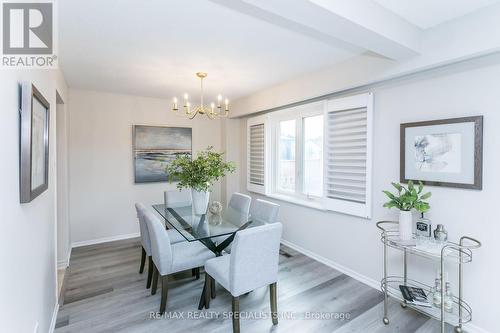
column 155, row 147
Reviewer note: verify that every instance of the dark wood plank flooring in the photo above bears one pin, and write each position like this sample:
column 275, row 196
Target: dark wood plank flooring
column 105, row 293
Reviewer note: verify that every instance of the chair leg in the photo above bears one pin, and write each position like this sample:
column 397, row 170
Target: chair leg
column 236, row 314
column 212, row 287
column 274, row 302
column 208, row 281
column 164, row 293
column 155, row 280
column 150, row 272
column 143, row 260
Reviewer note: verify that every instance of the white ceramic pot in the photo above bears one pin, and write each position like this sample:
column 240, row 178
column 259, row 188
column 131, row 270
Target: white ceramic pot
column 200, row 201
column 405, row 225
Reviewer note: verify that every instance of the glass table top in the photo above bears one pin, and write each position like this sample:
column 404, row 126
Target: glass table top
column 202, row 227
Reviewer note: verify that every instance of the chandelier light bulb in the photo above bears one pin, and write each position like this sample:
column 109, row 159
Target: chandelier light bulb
column 174, row 106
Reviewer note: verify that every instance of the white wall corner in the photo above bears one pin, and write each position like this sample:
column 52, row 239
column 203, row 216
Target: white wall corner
column 63, row 263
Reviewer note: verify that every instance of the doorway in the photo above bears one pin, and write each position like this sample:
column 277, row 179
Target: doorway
column 63, row 242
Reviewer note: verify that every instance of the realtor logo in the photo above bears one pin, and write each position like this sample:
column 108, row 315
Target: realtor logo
column 28, row 34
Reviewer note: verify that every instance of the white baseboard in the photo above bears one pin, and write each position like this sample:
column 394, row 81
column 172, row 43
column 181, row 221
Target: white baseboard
column 470, row 328
column 104, row 240
column 54, row 318
column 347, row 271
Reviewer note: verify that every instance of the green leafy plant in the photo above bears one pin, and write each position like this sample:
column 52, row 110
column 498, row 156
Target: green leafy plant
column 199, row 173
column 408, row 198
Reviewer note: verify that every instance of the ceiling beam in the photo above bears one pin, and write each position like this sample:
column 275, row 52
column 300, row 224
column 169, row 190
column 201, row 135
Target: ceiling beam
column 354, row 25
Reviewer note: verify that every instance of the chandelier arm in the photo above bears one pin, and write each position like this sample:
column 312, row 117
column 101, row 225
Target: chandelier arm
column 194, row 115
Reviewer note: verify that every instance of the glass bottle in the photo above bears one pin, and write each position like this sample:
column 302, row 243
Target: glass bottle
column 436, row 296
column 448, row 299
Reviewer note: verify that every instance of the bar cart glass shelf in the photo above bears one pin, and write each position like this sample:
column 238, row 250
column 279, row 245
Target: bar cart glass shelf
column 447, row 252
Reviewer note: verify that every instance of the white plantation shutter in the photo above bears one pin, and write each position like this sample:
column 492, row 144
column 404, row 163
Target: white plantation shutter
column 256, row 154
column 347, row 155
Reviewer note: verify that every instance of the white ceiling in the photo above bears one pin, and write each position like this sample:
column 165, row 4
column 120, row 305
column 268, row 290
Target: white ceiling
column 429, row 13
column 154, row 47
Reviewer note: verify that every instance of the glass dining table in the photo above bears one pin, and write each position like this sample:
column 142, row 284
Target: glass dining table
column 216, row 232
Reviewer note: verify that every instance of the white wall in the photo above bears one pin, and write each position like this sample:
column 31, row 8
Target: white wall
column 102, row 189
column 27, row 231
column 354, row 243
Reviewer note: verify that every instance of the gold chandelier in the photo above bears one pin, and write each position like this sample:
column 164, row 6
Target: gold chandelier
column 192, row 110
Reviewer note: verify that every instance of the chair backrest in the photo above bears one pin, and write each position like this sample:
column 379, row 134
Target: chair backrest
column 254, row 258
column 161, row 250
column 145, row 240
column 265, row 211
column 238, row 208
column 178, row 198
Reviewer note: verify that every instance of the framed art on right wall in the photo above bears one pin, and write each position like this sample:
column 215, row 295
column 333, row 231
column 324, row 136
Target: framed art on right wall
column 446, row 152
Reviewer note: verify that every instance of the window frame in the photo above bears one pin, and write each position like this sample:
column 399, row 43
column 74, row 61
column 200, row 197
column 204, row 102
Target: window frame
column 297, row 113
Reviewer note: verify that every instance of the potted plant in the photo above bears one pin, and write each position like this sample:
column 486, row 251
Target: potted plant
column 199, row 175
column 405, row 200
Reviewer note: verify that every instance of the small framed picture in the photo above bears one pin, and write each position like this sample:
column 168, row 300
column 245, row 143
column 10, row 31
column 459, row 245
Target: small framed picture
column 446, row 152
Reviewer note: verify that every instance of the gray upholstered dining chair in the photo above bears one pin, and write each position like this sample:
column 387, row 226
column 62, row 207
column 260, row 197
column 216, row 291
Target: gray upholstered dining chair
column 177, row 198
column 171, row 258
column 239, row 207
column 253, row 263
column 238, row 211
column 264, row 211
column 180, row 198
column 175, row 237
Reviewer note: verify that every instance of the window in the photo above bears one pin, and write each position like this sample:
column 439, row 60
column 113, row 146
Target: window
column 317, row 154
column 297, row 152
column 286, row 156
column 313, row 156
column 256, row 154
column 348, row 157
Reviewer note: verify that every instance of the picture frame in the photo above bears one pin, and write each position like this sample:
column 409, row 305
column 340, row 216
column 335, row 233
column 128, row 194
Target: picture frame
column 33, row 143
column 154, row 147
column 446, row 152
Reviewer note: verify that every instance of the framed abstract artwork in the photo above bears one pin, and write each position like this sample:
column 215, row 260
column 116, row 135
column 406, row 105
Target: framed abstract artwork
column 34, row 143
column 155, row 147
column 446, row 152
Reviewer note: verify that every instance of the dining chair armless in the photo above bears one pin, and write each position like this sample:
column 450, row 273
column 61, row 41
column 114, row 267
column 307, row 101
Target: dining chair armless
column 177, row 198
column 175, row 237
column 237, row 212
column 239, row 207
column 171, row 258
column 253, row 263
column 264, row 211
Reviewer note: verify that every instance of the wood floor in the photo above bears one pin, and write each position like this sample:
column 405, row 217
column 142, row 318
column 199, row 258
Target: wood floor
column 105, row 293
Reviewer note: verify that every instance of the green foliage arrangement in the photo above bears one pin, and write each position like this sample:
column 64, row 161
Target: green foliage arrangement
column 199, row 173
column 408, row 198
